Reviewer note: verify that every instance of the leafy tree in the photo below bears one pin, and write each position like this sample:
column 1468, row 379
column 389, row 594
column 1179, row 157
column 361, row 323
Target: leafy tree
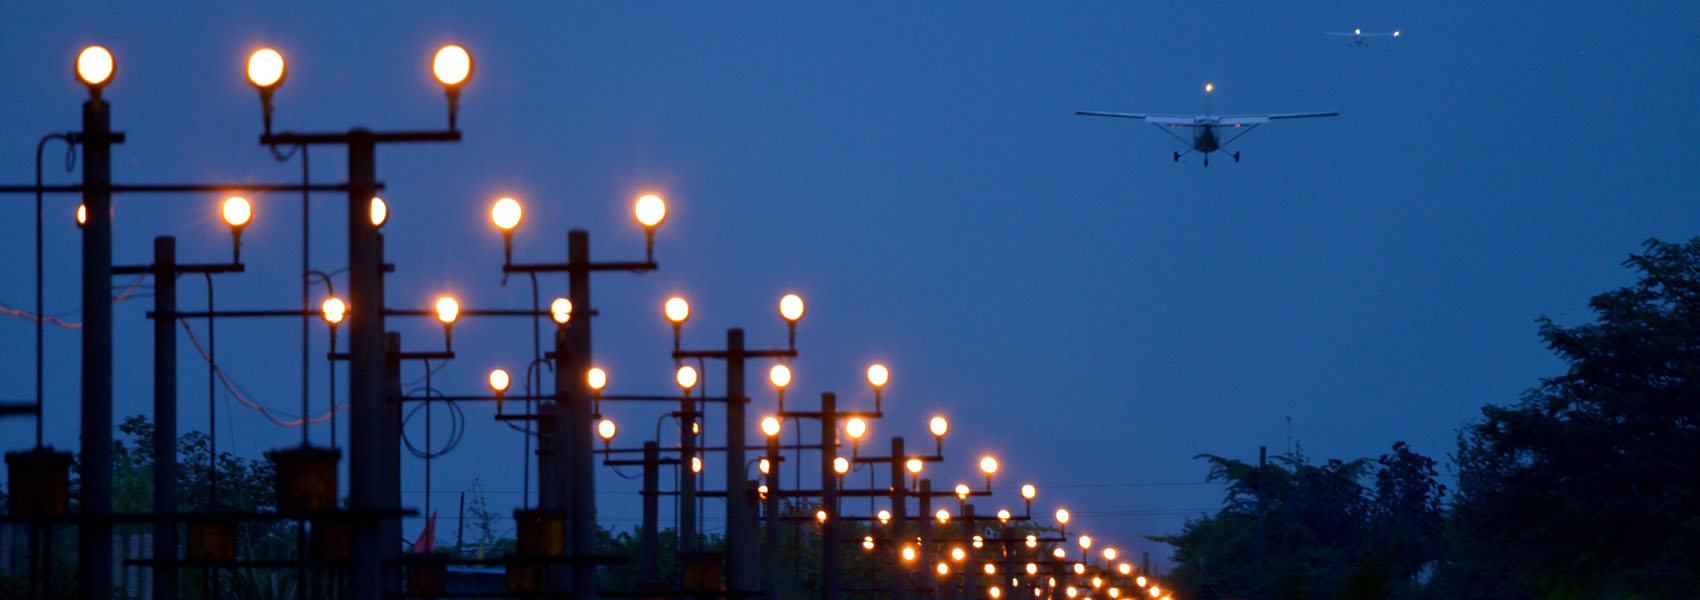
column 1585, row 486
column 1323, row 531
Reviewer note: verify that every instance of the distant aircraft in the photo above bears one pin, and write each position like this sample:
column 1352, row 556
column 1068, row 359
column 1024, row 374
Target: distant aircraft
column 1204, row 137
column 1358, row 36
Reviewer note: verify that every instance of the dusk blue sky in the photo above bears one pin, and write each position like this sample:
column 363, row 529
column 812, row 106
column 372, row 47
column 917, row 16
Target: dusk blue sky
column 1077, row 304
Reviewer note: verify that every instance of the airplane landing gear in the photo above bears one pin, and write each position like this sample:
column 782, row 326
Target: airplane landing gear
column 1207, row 160
column 1236, row 157
column 1177, row 156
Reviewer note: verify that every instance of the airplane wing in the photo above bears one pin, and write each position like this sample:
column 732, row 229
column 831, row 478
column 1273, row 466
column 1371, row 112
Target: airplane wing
column 1362, row 35
column 1301, row 115
column 1340, row 33
column 1151, row 118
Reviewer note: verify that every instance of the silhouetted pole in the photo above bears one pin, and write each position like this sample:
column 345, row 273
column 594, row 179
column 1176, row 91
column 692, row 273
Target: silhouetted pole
column 687, row 479
column 1262, row 458
column 829, row 496
column 651, row 511
column 165, row 416
column 579, row 434
column 740, row 557
column 554, row 457
column 924, row 530
column 376, row 538
column 970, row 578
column 94, row 539
column 899, row 516
column 770, row 533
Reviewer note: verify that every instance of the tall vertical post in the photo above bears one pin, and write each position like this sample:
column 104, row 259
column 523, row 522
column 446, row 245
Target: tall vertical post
column 370, row 456
column 740, row 559
column 651, row 512
column 94, row 533
column 970, row 574
column 554, row 457
column 829, row 496
column 770, row 531
column 164, row 415
column 688, row 427
column 899, row 517
column 579, row 418
column 924, row 530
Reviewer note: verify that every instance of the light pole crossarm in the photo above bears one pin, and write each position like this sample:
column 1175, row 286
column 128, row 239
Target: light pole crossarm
column 181, row 268
column 381, row 137
column 635, row 267
column 168, row 188
column 723, row 354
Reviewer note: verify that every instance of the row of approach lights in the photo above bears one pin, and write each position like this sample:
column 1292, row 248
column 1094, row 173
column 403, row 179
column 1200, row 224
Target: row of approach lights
column 451, row 65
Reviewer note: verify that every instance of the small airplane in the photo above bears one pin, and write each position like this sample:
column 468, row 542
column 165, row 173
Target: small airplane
column 1204, row 137
column 1358, row 36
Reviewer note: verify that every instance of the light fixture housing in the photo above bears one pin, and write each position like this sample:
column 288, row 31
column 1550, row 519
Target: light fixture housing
column 95, row 67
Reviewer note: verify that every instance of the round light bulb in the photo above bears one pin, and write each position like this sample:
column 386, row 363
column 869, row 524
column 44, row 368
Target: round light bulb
column 452, row 65
column 878, row 375
column 333, row 310
column 856, row 427
column 380, row 211
column 561, row 310
column 1124, row 568
column 506, row 213
column 696, row 464
column 770, row 426
column 1109, row 554
column 820, row 515
column 1085, row 542
column 499, row 381
column 686, row 377
column 867, row 542
column 605, row 429
column 677, row 309
column 650, row 210
column 597, row 378
column 962, row 491
column 914, row 465
column 94, row 66
column 791, row 307
column 908, row 553
column 841, row 465
column 988, row 465
column 237, row 211
column 942, row 515
column 1032, row 569
column 265, row 68
column 938, row 426
column 82, row 215
column 884, row 516
column 1028, row 491
column 958, row 554
column 780, row 375
column 1062, row 516
column 447, row 310
column 944, row 568
column 764, row 466
column 1003, row 514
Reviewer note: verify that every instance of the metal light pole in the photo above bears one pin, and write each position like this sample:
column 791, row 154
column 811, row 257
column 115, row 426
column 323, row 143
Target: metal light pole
column 740, row 555
column 165, row 415
column 829, row 496
column 94, row 534
column 899, row 514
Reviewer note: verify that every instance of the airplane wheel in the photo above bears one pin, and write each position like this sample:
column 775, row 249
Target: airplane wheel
column 1207, row 160
column 1236, row 157
column 1177, row 157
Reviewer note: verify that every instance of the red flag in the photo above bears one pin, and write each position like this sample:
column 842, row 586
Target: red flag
column 428, row 538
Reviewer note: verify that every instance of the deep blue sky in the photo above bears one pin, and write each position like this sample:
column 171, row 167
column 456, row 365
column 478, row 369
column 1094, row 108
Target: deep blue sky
column 1079, row 305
